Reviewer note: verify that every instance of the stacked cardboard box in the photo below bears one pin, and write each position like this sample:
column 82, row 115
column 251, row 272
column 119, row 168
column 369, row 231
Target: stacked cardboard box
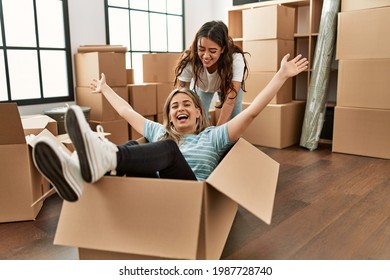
column 90, row 62
column 21, row 183
column 362, row 113
column 268, row 34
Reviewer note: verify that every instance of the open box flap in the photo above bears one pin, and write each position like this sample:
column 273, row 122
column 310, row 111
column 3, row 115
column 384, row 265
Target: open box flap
column 33, row 124
column 10, row 125
column 249, row 177
column 135, row 216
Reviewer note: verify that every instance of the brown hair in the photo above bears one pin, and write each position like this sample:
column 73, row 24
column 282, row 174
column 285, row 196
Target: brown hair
column 202, row 121
column 216, row 31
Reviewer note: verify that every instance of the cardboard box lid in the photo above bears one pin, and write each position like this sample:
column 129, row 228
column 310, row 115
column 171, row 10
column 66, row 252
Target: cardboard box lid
column 124, row 214
column 251, row 181
column 10, row 125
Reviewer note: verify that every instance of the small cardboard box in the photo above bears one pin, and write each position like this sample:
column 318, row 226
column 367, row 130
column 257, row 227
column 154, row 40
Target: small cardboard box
column 90, row 65
column 364, row 83
column 277, row 126
column 101, row 109
column 159, row 67
column 255, row 83
column 265, row 55
column 362, row 131
column 21, row 183
column 363, row 34
column 141, row 218
column 270, row 22
column 143, row 98
column 352, row 5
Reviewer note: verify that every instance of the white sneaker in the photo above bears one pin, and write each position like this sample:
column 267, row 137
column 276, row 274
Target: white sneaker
column 59, row 168
column 96, row 154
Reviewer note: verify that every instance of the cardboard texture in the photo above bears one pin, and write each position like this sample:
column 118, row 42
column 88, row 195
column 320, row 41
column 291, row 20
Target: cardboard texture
column 118, row 131
column 352, row 5
column 362, row 34
column 255, row 83
column 265, row 55
column 17, row 193
column 90, row 65
column 278, row 125
column 142, row 218
column 364, row 83
column 276, row 21
column 362, row 131
column 163, row 90
column 101, row 109
column 143, row 98
column 159, row 67
column 130, row 76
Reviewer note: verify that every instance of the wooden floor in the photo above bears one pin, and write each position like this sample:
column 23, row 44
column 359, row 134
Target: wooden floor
column 328, row 206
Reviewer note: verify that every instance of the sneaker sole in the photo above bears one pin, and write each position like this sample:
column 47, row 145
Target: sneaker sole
column 49, row 164
column 75, row 132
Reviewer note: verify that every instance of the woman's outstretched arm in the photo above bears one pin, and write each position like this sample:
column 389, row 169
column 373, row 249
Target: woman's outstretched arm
column 120, row 105
column 288, row 69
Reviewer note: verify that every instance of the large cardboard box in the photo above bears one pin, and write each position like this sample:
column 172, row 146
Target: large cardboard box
column 163, row 90
column 255, row 83
column 364, row 83
column 101, row 109
column 90, row 65
column 141, row 218
column 363, row 34
column 159, row 67
column 277, row 126
column 352, row 5
column 362, row 131
column 143, row 98
column 270, row 22
column 118, row 130
column 265, row 55
column 21, row 183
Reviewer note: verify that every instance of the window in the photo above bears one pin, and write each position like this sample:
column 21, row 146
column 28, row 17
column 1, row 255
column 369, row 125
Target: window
column 145, row 26
column 35, row 55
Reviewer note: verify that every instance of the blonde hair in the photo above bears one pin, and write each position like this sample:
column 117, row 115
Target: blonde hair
column 201, row 123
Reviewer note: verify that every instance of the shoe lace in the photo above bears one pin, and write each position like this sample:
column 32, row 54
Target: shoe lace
column 109, row 146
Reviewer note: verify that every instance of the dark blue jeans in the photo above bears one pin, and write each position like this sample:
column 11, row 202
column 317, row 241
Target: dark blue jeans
column 161, row 159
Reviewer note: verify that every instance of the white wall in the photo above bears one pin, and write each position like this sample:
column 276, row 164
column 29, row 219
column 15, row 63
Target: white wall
column 198, row 12
column 87, row 27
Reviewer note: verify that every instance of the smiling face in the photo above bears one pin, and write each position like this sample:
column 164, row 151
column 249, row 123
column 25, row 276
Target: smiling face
column 183, row 113
column 209, row 52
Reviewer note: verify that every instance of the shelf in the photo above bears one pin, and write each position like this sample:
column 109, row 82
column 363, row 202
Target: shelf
column 293, row 3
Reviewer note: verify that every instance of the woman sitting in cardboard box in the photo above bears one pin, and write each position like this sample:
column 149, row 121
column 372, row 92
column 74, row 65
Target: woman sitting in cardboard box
column 183, row 147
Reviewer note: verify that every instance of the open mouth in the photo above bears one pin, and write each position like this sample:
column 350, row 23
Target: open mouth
column 182, row 117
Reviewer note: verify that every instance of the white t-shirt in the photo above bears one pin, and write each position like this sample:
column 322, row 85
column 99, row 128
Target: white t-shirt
column 210, row 82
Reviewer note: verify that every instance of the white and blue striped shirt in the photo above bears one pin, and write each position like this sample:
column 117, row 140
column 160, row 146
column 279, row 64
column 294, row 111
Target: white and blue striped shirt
column 202, row 151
